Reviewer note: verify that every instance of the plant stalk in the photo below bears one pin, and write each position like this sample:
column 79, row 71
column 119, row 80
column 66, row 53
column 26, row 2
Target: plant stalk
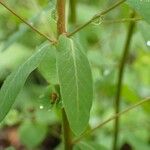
column 141, row 102
column 120, row 80
column 61, row 26
column 73, row 11
column 66, row 132
column 61, row 29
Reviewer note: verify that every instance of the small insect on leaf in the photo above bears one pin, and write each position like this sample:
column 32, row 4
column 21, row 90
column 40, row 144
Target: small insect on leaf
column 54, row 97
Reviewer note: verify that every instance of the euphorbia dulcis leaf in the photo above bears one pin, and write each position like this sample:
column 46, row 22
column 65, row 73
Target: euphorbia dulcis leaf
column 75, row 81
column 48, row 67
column 16, row 80
column 141, row 6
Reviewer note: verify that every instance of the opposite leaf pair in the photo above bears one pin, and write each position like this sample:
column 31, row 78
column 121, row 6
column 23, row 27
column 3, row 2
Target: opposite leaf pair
column 74, row 78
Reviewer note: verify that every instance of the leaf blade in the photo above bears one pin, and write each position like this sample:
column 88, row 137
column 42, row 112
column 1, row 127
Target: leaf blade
column 141, row 6
column 48, row 67
column 75, row 81
column 16, row 80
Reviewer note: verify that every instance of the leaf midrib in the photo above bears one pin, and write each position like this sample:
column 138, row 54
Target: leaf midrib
column 16, row 73
column 76, row 73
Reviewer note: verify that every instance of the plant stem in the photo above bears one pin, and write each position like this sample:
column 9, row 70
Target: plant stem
column 111, row 119
column 98, row 15
column 61, row 29
column 121, row 20
column 73, row 11
column 66, row 132
column 120, row 80
column 28, row 24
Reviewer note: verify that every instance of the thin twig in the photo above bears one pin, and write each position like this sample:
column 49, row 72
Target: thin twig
column 73, row 15
column 111, row 118
column 28, row 24
column 120, row 80
column 98, row 15
column 121, row 20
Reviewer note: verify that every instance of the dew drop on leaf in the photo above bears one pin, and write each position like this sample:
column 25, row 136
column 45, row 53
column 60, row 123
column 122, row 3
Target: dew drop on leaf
column 106, row 72
column 41, row 106
column 31, row 23
column 98, row 21
column 148, row 43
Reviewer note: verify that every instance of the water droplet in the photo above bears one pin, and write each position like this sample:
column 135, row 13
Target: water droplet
column 106, row 72
column 41, row 106
column 31, row 23
column 98, row 21
column 148, row 43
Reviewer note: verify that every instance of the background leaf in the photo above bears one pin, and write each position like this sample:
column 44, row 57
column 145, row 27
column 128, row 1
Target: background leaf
column 144, row 27
column 12, row 58
column 141, row 6
column 89, row 146
column 48, row 67
column 32, row 134
column 75, row 81
column 21, row 31
column 16, row 80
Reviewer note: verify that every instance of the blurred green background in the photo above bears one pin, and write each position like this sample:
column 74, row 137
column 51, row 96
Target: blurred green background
column 31, row 123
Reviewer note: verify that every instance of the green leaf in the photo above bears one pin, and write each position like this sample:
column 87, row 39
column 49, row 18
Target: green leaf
column 16, row 80
column 32, row 134
column 75, row 81
column 144, row 27
column 10, row 59
column 48, row 67
column 129, row 94
column 141, row 6
column 46, row 97
column 10, row 148
column 18, row 34
column 22, row 30
column 83, row 146
column 88, row 146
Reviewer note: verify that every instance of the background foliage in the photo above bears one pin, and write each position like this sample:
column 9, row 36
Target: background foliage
column 32, row 123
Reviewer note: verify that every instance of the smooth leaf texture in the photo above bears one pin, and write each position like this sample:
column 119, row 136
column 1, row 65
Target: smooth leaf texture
column 75, row 81
column 16, row 80
column 48, row 67
column 144, row 27
column 32, row 133
column 141, row 6
column 88, row 146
